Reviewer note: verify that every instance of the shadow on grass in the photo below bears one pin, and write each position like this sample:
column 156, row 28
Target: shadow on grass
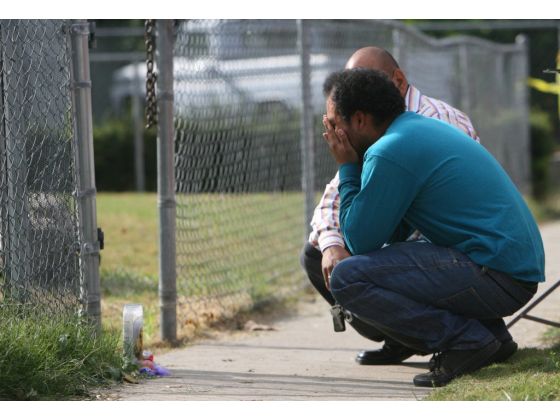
column 526, row 361
column 126, row 284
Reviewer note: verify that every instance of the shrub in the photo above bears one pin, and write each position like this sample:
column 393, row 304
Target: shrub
column 114, row 156
column 542, row 146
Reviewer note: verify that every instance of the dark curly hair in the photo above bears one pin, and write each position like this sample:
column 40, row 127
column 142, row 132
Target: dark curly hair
column 369, row 91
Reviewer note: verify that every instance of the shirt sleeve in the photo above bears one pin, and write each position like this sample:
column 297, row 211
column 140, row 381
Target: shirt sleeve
column 467, row 126
column 373, row 202
column 325, row 226
column 463, row 122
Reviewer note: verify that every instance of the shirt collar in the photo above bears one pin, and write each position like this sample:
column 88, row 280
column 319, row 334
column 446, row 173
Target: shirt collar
column 412, row 99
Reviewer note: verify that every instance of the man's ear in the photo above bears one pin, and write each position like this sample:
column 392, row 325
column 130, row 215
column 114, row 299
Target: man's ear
column 400, row 81
column 358, row 120
column 361, row 120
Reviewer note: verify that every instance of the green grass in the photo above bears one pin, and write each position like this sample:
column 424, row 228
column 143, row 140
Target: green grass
column 53, row 357
column 130, row 224
column 129, row 262
column 552, row 336
column 121, row 287
column 227, row 246
column 530, row 374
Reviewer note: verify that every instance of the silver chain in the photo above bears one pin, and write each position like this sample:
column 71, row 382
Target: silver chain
column 151, row 76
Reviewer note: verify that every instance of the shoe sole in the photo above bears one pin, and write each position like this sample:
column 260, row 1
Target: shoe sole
column 484, row 355
column 365, row 362
column 379, row 362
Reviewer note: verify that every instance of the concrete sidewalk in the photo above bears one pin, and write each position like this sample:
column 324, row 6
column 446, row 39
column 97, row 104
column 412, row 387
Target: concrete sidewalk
column 303, row 359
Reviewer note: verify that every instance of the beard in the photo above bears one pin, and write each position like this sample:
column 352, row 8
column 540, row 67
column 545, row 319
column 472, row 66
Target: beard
column 361, row 146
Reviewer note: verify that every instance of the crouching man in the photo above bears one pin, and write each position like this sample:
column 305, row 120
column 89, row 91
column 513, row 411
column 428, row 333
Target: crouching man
column 399, row 172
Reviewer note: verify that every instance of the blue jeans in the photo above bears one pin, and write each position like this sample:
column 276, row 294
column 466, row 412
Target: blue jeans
column 427, row 297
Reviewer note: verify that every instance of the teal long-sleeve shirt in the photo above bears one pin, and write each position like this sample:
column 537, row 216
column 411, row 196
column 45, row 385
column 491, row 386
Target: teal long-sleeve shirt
column 425, row 174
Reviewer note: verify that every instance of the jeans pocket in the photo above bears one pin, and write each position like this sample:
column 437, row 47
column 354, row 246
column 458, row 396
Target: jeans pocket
column 468, row 303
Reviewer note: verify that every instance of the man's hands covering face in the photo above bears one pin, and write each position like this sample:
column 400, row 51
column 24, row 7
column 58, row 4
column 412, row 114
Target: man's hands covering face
column 339, row 145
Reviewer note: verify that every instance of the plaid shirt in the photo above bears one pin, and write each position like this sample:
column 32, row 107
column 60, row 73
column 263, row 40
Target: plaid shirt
column 326, row 228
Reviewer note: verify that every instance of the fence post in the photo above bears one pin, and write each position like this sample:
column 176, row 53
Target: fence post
column 85, row 192
column 524, row 162
column 464, row 75
column 396, row 35
column 137, row 121
column 166, row 181
column 306, row 137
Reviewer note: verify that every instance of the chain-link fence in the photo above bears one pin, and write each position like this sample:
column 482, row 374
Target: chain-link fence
column 238, row 156
column 239, row 202
column 485, row 80
column 40, row 240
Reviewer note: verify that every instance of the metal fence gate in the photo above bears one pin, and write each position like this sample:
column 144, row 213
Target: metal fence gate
column 48, row 234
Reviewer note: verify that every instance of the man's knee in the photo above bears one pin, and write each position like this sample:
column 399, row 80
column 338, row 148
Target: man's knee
column 343, row 277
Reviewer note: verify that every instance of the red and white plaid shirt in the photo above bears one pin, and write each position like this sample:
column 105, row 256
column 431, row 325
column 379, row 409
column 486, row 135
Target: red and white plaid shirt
column 326, row 228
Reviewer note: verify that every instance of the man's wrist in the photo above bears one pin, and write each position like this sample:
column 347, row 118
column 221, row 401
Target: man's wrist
column 332, row 248
column 326, row 241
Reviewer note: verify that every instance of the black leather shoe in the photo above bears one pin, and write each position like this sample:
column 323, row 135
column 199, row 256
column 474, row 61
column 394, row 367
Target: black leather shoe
column 389, row 354
column 453, row 363
column 506, row 350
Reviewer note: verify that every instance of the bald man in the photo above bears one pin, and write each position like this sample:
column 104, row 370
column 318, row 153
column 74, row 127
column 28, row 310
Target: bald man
column 326, row 246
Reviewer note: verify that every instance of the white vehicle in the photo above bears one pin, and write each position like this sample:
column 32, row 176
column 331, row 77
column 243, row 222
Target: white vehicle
column 235, row 63
column 203, row 83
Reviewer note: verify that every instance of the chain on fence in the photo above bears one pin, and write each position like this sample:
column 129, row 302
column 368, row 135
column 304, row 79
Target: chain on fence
column 237, row 94
column 39, row 241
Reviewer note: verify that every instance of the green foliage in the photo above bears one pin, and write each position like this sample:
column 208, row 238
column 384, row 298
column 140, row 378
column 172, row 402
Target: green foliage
column 542, row 147
column 545, row 210
column 120, row 43
column 46, row 356
column 114, row 156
